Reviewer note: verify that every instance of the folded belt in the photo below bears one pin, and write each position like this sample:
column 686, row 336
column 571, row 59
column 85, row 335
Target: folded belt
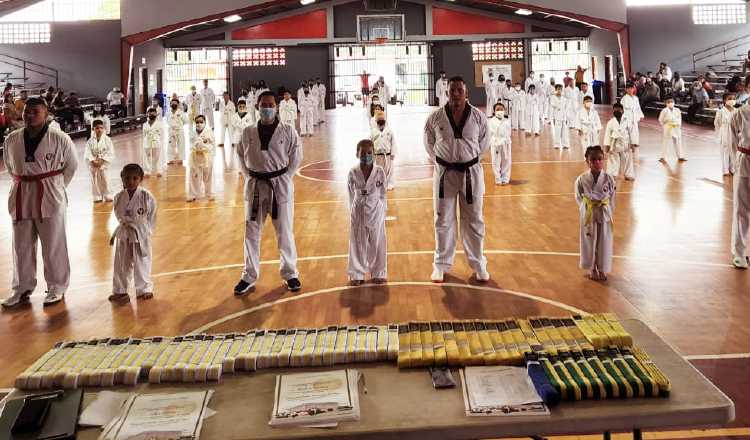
column 462, row 167
column 266, row 177
column 382, row 154
column 743, row 150
column 40, row 190
column 590, row 205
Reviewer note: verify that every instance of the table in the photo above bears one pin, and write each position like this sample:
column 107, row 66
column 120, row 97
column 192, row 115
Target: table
column 403, row 404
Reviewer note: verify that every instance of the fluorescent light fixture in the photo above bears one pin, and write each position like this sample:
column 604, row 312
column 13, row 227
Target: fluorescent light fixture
column 232, row 18
column 523, row 12
column 306, row 2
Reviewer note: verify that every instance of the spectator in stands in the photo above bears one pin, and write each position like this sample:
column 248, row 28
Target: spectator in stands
column 74, row 106
column 746, row 64
column 20, row 102
column 743, row 95
column 651, row 93
column 709, row 88
column 49, row 96
column 678, row 86
column 734, row 83
column 580, row 71
column 13, row 118
column 665, row 73
column 59, row 100
column 8, row 89
column 116, row 101
column 699, row 98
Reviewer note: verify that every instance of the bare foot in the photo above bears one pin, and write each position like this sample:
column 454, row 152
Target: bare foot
column 356, row 282
column 379, row 280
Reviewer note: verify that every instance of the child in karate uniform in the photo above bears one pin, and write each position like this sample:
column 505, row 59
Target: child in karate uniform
column 500, row 135
column 517, row 101
column 385, row 148
column 617, row 145
column 307, row 107
column 288, row 110
column 240, row 120
column 135, row 210
column 201, row 161
column 670, row 119
column 588, row 123
column 153, row 144
column 99, row 154
column 722, row 125
column 227, row 110
column 595, row 195
column 558, row 107
column 176, row 120
column 533, row 111
column 367, row 205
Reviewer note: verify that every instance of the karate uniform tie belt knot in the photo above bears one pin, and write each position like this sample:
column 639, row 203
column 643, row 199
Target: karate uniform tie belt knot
column 265, row 177
column 135, row 232
column 590, row 205
column 19, row 179
column 745, row 150
column 462, row 167
column 670, row 127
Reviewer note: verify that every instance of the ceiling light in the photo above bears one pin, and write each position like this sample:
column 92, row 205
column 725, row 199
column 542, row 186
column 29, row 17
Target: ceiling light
column 232, row 18
column 523, row 12
column 306, row 2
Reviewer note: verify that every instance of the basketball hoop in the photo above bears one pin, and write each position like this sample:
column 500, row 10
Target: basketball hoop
column 381, row 40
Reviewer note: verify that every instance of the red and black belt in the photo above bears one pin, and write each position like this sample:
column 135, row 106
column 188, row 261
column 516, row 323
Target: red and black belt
column 39, row 186
column 743, row 150
column 265, row 177
column 462, row 167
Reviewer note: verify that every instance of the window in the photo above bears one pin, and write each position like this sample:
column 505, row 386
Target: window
column 720, row 14
column 66, row 10
column 189, row 67
column 259, row 56
column 555, row 57
column 24, row 33
column 497, row 50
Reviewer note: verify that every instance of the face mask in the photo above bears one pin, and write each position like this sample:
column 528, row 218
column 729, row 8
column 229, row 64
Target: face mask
column 670, row 105
column 267, row 114
column 151, row 117
column 174, row 106
column 366, row 159
column 500, row 114
column 381, row 123
column 731, row 102
column 199, row 126
column 517, row 88
column 618, row 114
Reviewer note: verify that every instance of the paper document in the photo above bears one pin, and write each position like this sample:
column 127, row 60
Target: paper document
column 500, row 390
column 103, row 409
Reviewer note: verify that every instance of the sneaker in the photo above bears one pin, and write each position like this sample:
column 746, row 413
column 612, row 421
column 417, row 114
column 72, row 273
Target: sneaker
column 437, row 275
column 17, row 299
column 242, row 288
column 53, row 298
column 144, row 295
column 740, row 262
column 119, row 297
column 482, row 276
column 293, row 284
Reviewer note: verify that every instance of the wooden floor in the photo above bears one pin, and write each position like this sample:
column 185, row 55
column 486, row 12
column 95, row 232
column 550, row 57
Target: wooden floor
column 672, row 267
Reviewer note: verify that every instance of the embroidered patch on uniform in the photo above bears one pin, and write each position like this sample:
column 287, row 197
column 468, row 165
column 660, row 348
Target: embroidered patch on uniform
column 141, row 211
column 378, row 183
column 49, row 156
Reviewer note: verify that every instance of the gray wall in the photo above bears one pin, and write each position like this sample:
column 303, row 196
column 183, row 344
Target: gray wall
column 87, row 55
column 667, row 33
column 302, row 62
column 345, row 18
column 153, row 52
column 454, row 57
column 601, row 44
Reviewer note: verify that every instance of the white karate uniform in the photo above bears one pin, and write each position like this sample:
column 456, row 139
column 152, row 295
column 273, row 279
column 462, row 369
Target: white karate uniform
column 133, row 253
column 385, row 152
column 239, row 123
column 529, row 81
column 367, row 239
column 284, row 151
column 441, row 91
column 176, row 122
column 193, row 103
column 40, row 216
column 440, row 141
column 558, row 106
column 740, row 127
column 500, row 135
column 722, row 122
column 617, row 146
column 306, row 114
column 54, row 124
column 288, row 112
column 573, row 101
column 90, row 121
column 227, row 110
column 153, row 144
column 543, row 90
column 517, row 104
column 208, row 99
column 104, row 150
column 533, row 113
column 489, row 91
column 590, row 125
column 316, row 98
column 595, row 235
column 201, row 164
column 632, row 115
column 321, row 102
column 671, row 122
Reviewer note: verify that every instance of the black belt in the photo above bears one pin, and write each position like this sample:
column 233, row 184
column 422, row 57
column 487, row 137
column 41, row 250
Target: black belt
column 382, row 154
column 462, row 167
column 266, row 177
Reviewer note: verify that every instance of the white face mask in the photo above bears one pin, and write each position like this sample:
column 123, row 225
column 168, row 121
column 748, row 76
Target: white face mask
column 731, row 102
column 517, row 88
column 670, row 105
column 500, row 114
column 199, row 126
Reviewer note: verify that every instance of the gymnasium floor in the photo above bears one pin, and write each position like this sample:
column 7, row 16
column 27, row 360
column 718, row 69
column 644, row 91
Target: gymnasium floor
column 672, row 264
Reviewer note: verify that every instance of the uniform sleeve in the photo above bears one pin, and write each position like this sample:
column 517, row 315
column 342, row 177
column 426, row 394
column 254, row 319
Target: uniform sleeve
column 484, row 136
column 736, row 125
column 393, row 144
column 678, row 118
column 151, row 217
column 717, row 120
column 115, row 205
column 612, row 196
column 429, row 138
column 351, row 187
column 295, row 151
column 578, row 191
column 240, row 153
column 109, row 152
column 597, row 122
column 663, row 116
column 606, row 141
column 87, row 156
column 71, row 161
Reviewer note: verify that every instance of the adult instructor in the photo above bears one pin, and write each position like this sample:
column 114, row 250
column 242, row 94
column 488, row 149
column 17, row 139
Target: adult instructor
column 42, row 161
column 269, row 155
column 455, row 138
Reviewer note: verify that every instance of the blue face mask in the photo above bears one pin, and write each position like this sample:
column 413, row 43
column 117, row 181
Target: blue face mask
column 267, row 114
column 366, row 159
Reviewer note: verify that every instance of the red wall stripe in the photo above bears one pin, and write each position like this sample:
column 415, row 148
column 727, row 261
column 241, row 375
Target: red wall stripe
column 310, row 25
column 450, row 22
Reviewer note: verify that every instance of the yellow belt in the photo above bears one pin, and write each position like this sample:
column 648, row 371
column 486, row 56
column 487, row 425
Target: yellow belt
column 590, row 205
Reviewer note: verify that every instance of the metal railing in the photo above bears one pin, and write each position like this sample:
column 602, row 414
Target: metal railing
column 30, row 66
column 720, row 48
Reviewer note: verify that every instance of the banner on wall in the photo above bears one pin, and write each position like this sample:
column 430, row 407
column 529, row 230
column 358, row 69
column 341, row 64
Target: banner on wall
column 497, row 70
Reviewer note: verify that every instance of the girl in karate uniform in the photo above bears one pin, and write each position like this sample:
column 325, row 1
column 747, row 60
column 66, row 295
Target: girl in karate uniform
column 240, row 120
column 533, row 111
column 153, row 144
column 176, row 120
column 367, row 205
column 135, row 210
column 307, row 106
column 201, row 161
column 500, row 134
column 595, row 195
column 517, row 100
column 558, row 107
column 722, row 125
